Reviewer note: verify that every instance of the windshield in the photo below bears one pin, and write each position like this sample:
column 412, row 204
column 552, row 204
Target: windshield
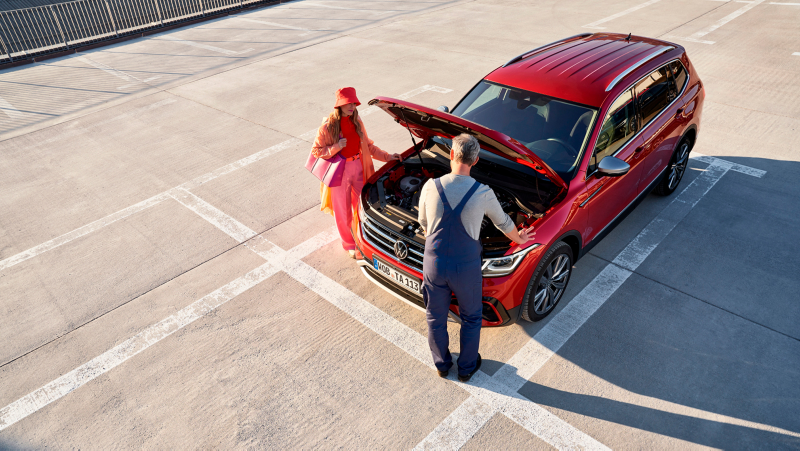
column 553, row 129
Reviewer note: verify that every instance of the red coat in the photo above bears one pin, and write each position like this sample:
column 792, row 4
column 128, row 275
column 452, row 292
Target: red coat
column 326, row 146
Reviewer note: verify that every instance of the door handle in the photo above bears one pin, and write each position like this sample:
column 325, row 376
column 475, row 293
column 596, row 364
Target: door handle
column 679, row 112
column 640, row 148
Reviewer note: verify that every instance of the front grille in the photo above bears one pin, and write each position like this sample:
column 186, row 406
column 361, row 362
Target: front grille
column 384, row 239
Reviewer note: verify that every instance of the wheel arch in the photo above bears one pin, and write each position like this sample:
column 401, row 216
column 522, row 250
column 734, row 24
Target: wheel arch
column 575, row 242
column 690, row 134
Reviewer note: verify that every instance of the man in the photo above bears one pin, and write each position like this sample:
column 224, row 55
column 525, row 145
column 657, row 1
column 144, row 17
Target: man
column 451, row 209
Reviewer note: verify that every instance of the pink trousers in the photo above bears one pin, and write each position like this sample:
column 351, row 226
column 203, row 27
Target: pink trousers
column 342, row 197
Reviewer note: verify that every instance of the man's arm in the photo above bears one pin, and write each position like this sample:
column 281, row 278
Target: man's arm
column 504, row 223
column 423, row 216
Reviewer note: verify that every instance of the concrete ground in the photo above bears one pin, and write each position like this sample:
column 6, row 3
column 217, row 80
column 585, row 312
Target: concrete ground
column 167, row 281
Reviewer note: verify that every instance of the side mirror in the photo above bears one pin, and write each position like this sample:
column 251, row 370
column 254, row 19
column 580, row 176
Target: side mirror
column 443, row 109
column 612, row 167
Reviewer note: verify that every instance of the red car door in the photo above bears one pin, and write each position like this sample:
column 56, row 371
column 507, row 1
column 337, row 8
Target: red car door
column 607, row 197
column 661, row 123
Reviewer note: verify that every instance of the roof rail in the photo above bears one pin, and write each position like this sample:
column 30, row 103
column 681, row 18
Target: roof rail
column 544, row 47
column 637, row 65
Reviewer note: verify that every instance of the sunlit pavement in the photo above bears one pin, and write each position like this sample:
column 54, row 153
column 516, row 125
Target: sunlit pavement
column 166, row 280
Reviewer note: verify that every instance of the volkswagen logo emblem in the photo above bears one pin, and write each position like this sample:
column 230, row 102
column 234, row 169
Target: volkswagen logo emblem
column 400, row 250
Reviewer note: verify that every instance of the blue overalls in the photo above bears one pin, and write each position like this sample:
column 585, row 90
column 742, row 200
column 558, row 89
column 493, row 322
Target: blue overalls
column 452, row 263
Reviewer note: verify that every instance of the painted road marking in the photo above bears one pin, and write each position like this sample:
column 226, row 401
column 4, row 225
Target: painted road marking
column 503, row 397
column 10, row 111
column 212, row 214
column 146, row 80
column 115, row 356
column 528, row 414
column 131, row 113
column 537, row 351
column 374, row 11
column 274, row 24
column 108, row 70
column 796, row 54
column 81, row 231
column 197, row 181
column 697, row 37
column 619, row 14
column 203, row 46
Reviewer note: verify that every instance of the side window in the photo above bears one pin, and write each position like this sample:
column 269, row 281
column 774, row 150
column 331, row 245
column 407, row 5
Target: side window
column 652, row 94
column 618, row 127
column 679, row 74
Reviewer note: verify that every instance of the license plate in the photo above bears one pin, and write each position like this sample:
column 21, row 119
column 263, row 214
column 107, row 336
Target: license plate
column 412, row 283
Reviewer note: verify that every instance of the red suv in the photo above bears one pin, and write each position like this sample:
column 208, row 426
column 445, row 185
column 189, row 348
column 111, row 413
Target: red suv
column 573, row 135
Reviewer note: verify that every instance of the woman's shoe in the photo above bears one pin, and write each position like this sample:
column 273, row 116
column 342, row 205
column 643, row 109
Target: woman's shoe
column 352, row 254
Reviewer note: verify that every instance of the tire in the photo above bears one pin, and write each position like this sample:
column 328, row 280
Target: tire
column 675, row 169
column 543, row 294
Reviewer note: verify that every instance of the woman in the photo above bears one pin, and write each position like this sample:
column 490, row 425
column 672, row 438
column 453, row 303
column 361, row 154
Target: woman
column 343, row 133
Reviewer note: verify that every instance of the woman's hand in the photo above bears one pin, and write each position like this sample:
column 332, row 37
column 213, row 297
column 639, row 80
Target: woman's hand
column 396, row 156
column 342, row 143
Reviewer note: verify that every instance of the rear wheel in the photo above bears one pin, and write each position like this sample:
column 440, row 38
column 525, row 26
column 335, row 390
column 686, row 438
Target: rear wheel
column 548, row 283
column 675, row 169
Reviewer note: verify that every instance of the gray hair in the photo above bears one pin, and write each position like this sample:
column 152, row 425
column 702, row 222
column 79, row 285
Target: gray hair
column 465, row 149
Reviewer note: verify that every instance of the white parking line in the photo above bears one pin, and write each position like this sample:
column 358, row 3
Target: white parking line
column 619, row 14
column 697, row 37
column 81, row 231
column 374, row 11
column 108, row 70
column 112, row 358
column 10, row 111
column 796, row 54
column 212, row 214
column 530, row 415
column 203, row 46
column 784, row 4
column 280, row 25
column 197, row 181
column 534, row 354
column 132, row 113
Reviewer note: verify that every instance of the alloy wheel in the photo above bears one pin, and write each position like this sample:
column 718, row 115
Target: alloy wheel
column 552, row 284
column 678, row 167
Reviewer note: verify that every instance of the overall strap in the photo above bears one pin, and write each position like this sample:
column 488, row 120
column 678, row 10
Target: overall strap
column 441, row 195
column 464, row 200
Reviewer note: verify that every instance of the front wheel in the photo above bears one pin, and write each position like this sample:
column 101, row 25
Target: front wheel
column 548, row 283
column 675, row 169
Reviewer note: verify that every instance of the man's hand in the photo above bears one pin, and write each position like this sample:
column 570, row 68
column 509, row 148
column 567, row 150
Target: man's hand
column 521, row 236
column 526, row 235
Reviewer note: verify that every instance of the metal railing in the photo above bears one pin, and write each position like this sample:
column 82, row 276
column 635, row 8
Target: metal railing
column 31, row 32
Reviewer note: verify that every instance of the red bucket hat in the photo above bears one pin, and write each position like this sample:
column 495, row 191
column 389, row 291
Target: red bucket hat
column 345, row 96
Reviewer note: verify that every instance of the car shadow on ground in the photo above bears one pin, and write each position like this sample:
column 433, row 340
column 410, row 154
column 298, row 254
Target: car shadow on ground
column 684, row 329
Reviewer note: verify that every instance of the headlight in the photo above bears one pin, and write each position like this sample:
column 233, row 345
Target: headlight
column 503, row 266
column 361, row 213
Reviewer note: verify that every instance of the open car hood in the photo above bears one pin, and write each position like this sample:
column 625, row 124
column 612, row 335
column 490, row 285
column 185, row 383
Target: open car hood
column 425, row 123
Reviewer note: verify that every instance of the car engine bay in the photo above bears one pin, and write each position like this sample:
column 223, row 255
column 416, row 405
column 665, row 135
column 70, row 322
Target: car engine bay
column 393, row 199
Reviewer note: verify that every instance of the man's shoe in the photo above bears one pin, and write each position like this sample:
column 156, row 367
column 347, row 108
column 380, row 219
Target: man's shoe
column 443, row 373
column 469, row 376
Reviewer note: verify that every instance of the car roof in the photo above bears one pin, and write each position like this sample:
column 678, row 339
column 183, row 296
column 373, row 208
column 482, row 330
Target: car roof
column 581, row 68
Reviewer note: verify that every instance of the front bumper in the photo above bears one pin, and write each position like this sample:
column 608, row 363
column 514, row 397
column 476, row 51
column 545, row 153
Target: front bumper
column 502, row 296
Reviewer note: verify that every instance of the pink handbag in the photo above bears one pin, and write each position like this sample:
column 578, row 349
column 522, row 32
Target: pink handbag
column 328, row 171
